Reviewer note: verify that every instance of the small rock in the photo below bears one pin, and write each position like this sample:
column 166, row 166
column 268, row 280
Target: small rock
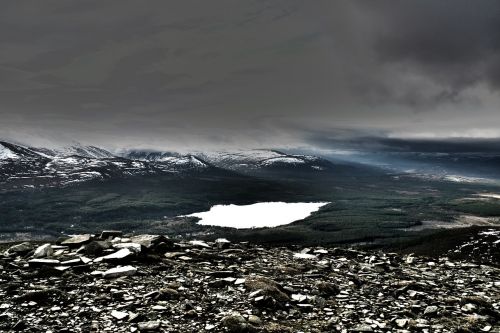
column 19, row 326
column 234, row 323
column 362, row 328
column 148, row 326
column 222, row 243
column 401, row 322
column 327, row 289
column 430, row 310
column 105, row 234
column 254, row 320
column 119, row 314
column 198, row 243
column 159, row 308
column 304, row 256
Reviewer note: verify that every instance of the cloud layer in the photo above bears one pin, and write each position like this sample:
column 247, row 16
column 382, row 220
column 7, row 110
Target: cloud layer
column 221, row 73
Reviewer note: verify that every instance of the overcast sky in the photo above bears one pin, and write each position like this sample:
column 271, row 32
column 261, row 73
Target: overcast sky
column 193, row 74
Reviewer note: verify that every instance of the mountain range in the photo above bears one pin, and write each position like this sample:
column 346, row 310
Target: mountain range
column 34, row 167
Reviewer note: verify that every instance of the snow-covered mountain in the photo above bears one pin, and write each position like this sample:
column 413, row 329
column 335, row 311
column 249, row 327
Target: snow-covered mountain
column 245, row 161
column 24, row 166
column 168, row 160
column 254, row 160
column 75, row 150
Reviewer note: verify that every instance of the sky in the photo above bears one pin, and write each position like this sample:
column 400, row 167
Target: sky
column 197, row 74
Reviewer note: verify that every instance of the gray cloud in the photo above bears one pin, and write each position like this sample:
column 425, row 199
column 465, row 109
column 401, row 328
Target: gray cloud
column 456, row 42
column 256, row 73
column 377, row 142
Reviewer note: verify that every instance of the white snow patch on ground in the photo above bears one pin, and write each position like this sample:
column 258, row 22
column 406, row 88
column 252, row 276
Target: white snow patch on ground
column 258, row 215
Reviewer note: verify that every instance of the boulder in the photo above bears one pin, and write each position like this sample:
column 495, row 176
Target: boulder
column 22, row 248
column 95, row 248
column 44, row 250
column 234, row 323
column 267, row 287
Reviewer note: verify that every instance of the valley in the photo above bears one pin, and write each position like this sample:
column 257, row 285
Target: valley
column 45, row 193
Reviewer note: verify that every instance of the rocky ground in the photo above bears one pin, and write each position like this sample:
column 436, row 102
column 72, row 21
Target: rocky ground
column 117, row 283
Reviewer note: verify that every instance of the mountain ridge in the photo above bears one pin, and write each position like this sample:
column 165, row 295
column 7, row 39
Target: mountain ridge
column 32, row 167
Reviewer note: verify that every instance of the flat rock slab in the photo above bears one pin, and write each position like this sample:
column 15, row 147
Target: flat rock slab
column 146, row 240
column 149, row 326
column 304, row 256
column 119, row 271
column 43, row 262
column 77, row 240
column 134, row 247
column 120, row 254
column 105, row 234
column 198, row 243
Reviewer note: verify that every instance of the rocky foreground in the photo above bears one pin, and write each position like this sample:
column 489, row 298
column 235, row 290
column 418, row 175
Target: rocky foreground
column 151, row 283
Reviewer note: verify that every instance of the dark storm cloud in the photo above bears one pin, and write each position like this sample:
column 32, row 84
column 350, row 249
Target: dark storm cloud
column 259, row 72
column 457, row 42
column 379, row 143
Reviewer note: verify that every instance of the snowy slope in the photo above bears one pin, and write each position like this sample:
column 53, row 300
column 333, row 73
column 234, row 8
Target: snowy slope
column 251, row 160
column 75, row 150
column 26, row 167
column 6, row 153
column 242, row 161
column 168, row 161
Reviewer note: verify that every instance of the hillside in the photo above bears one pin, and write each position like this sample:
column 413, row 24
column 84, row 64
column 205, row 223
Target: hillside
column 150, row 283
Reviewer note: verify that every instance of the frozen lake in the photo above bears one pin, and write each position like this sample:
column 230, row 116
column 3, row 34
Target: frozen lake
column 258, row 215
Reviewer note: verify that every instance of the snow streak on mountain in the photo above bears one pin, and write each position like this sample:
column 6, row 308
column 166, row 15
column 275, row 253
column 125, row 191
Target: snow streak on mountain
column 28, row 167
